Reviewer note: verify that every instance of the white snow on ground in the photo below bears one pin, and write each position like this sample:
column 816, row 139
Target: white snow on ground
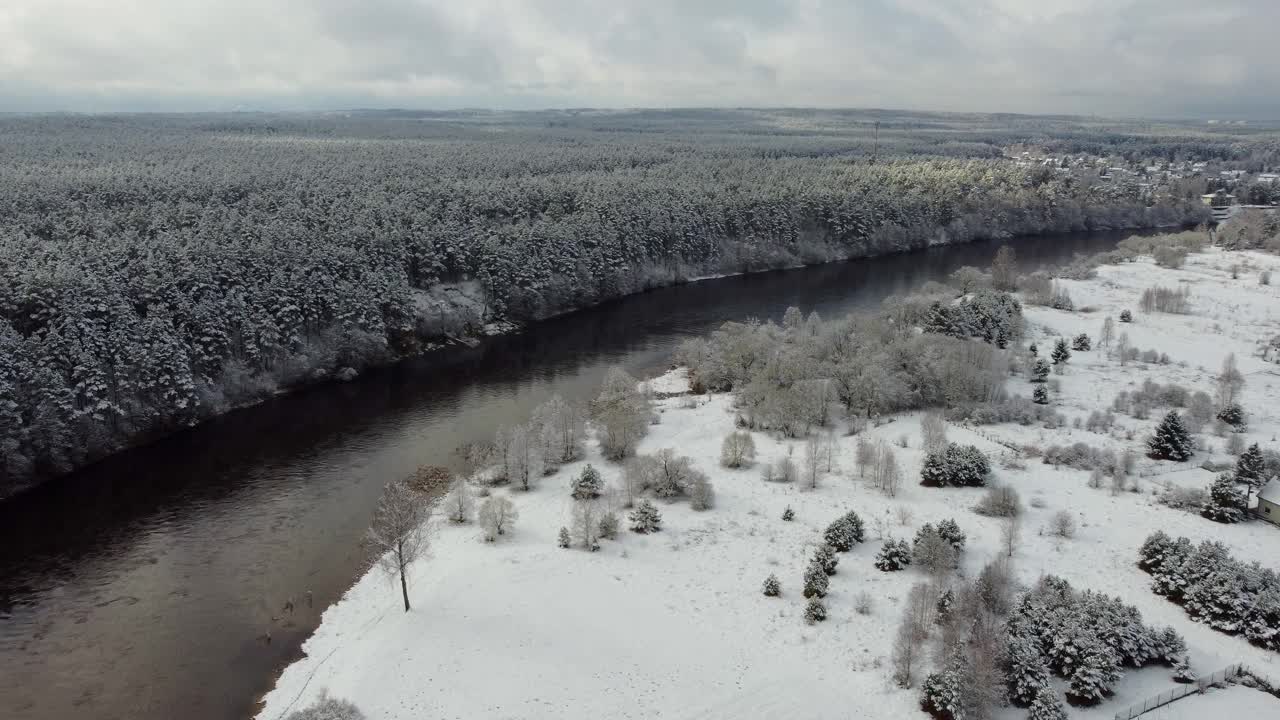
column 1234, row 702
column 674, row 625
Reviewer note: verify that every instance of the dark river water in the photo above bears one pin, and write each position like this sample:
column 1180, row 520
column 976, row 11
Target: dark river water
column 143, row 588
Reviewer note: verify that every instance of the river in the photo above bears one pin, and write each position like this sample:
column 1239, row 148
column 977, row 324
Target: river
column 145, row 587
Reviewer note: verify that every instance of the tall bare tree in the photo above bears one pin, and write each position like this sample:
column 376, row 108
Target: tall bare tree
column 399, row 532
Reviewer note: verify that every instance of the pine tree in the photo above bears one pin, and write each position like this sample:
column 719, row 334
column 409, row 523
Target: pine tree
column 1060, row 352
column 1040, row 395
column 815, row 581
column 1027, row 672
column 946, row 601
column 788, row 514
column 563, row 540
column 1171, row 440
column 1249, row 467
column 894, row 555
column 645, row 518
column 1035, row 351
column 1233, row 415
column 1040, row 372
column 943, row 692
column 772, row 588
column 1046, row 706
column 609, row 526
column 844, row 532
column 825, row 556
column 815, row 611
column 950, row 531
column 1126, row 316
column 1081, row 343
column 1095, row 673
column 588, row 485
column 1226, row 502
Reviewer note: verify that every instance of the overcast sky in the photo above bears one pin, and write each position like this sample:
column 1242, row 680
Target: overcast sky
column 1217, row 58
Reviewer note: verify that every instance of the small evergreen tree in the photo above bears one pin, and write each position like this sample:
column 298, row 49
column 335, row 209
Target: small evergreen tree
column 564, row 541
column 1097, row 669
column 1126, row 316
column 844, row 532
column 588, row 485
column 943, row 692
column 1035, row 351
column 788, row 514
column 946, row 601
column 1026, row 673
column 1249, row 467
column 1171, row 440
column 1082, row 343
column 609, row 526
column 894, row 555
column 645, row 518
column 1040, row 372
column 1040, row 395
column 815, row 611
column 825, row 556
column 815, row 581
column 1060, row 352
column 950, row 531
column 1226, row 503
column 772, row 588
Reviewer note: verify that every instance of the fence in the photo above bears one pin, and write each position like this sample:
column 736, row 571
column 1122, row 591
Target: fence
column 1178, row 693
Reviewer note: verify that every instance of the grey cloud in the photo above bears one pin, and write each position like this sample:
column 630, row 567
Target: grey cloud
column 1144, row 57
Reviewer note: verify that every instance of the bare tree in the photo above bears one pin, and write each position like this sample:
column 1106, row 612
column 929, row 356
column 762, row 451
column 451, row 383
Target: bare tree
column 497, row 515
column 917, row 616
column 1004, row 269
column 812, row 462
column 1122, row 348
column 523, row 453
column 561, row 428
column 829, row 450
column 459, row 503
column 586, row 524
column 865, row 455
column 622, row 412
column 1010, row 533
column 1229, row 381
column 934, row 431
column 399, row 534
column 888, row 476
column 638, row 474
column 1107, row 334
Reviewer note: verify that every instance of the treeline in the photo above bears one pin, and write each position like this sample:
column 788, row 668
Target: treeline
column 156, row 270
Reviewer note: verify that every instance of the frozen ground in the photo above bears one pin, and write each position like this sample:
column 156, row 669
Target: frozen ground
column 674, row 625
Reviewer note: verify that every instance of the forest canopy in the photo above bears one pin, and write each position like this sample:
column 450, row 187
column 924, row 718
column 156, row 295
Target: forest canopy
column 158, row 270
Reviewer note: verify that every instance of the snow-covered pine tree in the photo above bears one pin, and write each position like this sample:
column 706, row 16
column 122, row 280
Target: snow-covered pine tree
column 1040, row 395
column 1026, row 672
column 1081, row 343
column 788, row 514
column 815, row 611
column 1233, row 415
column 645, row 518
column 844, row 532
column 563, row 539
column 826, row 557
column 1126, row 316
column 1046, row 706
column 950, row 531
column 1250, row 468
column 815, row 580
column 946, row 601
column 1226, row 503
column 772, row 588
column 894, row 555
column 1096, row 672
column 1060, row 352
column 588, row 485
column 942, row 694
column 609, row 526
column 1040, row 371
column 1171, row 440
column 1035, row 351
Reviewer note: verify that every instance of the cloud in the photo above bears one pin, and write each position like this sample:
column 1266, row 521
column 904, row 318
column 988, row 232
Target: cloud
column 1141, row 57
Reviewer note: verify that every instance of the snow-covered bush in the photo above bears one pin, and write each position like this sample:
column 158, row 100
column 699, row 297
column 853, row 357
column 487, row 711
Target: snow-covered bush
column 1082, row 343
column 459, row 504
column 497, row 515
column 563, row 539
column 738, row 450
column 957, row 465
column 1166, row 300
column 1126, row 316
column 1040, row 395
column 701, row 495
column 999, row 501
column 894, row 555
column 1234, row 416
column 327, row 708
column 588, row 485
column 788, row 514
column 1062, row 524
column 609, row 526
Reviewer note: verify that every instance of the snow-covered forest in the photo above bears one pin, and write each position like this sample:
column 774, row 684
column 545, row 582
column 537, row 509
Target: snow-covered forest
column 158, row 270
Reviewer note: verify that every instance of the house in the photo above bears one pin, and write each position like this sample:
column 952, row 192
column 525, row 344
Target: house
column 1221, row 198
column 1269, row 502
column 1268, row 178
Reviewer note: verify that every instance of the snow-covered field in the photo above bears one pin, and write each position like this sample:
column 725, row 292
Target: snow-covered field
column 674, row 625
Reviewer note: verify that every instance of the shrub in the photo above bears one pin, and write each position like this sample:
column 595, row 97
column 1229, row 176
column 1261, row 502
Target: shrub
column 328, row 708
column 772, row 588
column 844, row 532
column 1167, row 300
column 1081, row 343
column 1126, row 316
column 1040, row 395
column 702, row 495
column 957, row 465
column 609, row 526
column 1062, row 524
column 1170, row 257
column 738, row 450
column 788, row 514
column 999, row 501
column 1184, row 498
column 1234, row 416
column 863, row 604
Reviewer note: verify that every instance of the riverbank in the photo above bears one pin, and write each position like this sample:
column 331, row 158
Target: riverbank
column 674, row 624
